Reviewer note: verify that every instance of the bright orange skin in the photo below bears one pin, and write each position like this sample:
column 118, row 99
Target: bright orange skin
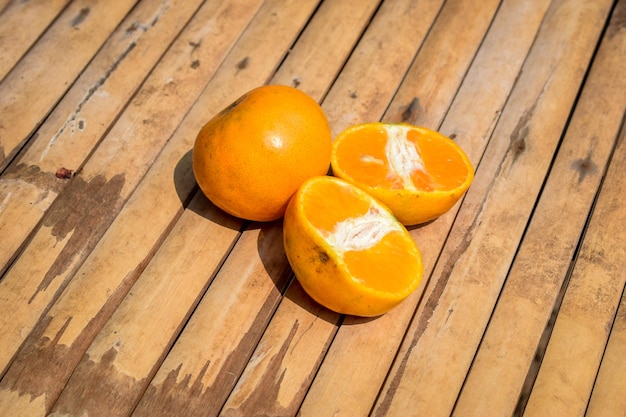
column 388, row 272
column 443, row 158
column 252, row 156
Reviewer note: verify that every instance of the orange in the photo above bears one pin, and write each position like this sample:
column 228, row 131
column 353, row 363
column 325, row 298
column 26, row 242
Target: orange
column 251, row 157
column 417, row 172
column 347, row 250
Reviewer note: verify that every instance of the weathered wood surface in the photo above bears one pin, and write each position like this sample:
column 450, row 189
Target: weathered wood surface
column 124, row 291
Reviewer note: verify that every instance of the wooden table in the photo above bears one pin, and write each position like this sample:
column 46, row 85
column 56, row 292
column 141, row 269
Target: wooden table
column 123, row 291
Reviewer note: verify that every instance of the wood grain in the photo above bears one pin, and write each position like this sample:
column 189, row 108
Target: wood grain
column 124, row 291
column 577, row 343
column 21, row 24
column 130, row 241
column 429, row 371
column 28, row 93
column 84, row 115
column 343, row 385
column 608, row 397
column 259, row 62
column 390, row 42
column 543, row 260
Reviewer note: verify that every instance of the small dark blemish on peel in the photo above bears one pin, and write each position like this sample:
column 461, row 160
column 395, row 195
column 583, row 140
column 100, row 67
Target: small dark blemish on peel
column 323, row 257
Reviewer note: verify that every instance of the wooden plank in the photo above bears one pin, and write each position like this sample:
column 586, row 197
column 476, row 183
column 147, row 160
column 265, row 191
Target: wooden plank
column 608, row 399
column 435, row 356
column 543, row 260
column 31, row 89
column 83, row 116
column 21, row 23
column 220, row 376
column 343, row 385
column 207, row 38
column 147, row 322
column 579, row 337
column 278, row 375
column 279, row 29
column 346, row 104
column 293, row 345
column 290, row 398
column 339, row 24
column 187, row 362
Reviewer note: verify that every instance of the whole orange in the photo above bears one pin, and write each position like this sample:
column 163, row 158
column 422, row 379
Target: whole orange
column 252, row 156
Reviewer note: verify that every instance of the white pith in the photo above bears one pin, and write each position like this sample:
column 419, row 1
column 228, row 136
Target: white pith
column 363, row 232
column 402, row 154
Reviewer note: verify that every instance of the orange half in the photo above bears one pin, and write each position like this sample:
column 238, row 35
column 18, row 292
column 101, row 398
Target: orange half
column 417, row 172
column 347, row 250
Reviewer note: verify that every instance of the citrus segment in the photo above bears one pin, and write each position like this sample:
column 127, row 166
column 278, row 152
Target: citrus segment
column 347, row 250
column 252, row 156
column 417, row 172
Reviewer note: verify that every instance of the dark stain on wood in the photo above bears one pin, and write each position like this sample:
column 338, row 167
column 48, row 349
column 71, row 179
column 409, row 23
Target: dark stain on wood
column 43, row 366
column 412, row 110
column 518, row 143
column 86, row 209
column 190, row 397
column 353, row 95
column 195, row 63
column 584, row 166
column 102, row 390
column 132, row 28
column 32, row 174
column 81, row 16
column 265, row 393
column 295, row 82
column 39, row 353
column 618, row 20
column 243, row 64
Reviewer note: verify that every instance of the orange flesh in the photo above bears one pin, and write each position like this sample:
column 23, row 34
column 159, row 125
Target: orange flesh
column 374, row 249
column 362, row 155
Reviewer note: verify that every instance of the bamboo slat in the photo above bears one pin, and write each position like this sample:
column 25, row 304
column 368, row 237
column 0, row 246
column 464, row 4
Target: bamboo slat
column 608, row 397
column 430, row 370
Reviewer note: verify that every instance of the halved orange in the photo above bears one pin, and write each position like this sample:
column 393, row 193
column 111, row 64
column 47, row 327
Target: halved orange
column 417, row 172
column 347, row 250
